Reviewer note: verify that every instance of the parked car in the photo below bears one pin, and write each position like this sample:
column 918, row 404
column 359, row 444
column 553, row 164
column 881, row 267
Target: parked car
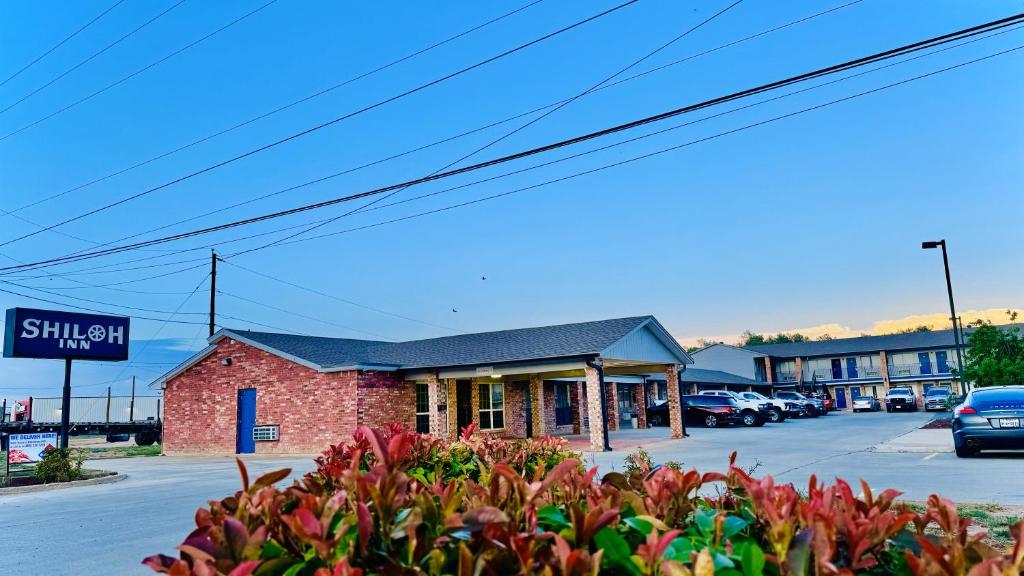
column 708, row 411
column 752, row 412
column 937, row 398
column 900, row 399
column 866, row 404
column 826, row 400
column 780, row 409
column 989, row 418
column 810, row 406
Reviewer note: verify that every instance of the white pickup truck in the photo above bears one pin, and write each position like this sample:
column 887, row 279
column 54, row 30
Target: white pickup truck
column 752, row 411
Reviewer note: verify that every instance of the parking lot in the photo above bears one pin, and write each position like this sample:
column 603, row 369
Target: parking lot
column 109, row 528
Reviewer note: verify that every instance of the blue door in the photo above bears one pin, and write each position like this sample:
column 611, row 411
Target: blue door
column 244, row 443
column 841, row 398
column 926, row 364
column 854, row 392
column 941, row 363
column 837, row 369
column 851, row 367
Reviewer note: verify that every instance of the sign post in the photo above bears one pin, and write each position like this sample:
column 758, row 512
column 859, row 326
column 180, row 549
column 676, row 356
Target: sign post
column 31, row 333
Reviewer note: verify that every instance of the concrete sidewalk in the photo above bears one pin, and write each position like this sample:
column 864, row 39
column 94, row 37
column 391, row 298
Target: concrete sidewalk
column 931, row 441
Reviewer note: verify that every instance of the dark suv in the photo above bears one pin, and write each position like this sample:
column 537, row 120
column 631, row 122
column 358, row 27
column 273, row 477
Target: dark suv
column 708, row 411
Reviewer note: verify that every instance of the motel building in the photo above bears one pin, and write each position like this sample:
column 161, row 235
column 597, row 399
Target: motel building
column 269, row 393
column 844, row 367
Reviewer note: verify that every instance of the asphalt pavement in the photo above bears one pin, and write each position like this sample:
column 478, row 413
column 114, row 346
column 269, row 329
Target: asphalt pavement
column 109, row 529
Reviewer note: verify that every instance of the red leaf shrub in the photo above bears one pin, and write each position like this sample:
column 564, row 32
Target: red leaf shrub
column 395, row 502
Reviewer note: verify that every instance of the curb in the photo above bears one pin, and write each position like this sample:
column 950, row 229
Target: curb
column 109, row 479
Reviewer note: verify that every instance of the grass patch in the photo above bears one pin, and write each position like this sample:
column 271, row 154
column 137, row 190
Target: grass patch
column 123, row 452
column 993, row 519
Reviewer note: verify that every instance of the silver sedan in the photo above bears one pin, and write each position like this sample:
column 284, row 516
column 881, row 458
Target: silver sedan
column 866, row 404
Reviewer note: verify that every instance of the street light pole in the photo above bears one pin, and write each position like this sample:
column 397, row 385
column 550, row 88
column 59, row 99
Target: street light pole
column 952, row 308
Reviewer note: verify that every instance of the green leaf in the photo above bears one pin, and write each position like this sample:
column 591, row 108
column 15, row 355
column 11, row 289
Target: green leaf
column 295, row 569
column 616, row 550
column 271, row 549
column 679, row 550
column 552, row 517
column 638, row 524
column 752, row 560
column 705, row 520
column 733, row 525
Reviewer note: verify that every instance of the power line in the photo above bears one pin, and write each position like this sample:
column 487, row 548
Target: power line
column 61, row 43
column 658, row 152
column 514, row 131
column 279, row 108
column 79, row 299
column 326, row 124
column 160, row 328
column 76, row 307
column 457, row 136
column 298, row 315
column 91, row 57
column 892, row 53
column 124, row 79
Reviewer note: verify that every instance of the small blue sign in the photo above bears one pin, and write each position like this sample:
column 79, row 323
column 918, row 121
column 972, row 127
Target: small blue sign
column 31, row 333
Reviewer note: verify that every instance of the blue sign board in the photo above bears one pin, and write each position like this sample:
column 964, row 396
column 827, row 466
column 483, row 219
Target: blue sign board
column 31, row 333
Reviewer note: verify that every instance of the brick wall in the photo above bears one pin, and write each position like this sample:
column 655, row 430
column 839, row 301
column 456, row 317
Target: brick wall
column 550, row 427
column 313, row 409
column 384, row 398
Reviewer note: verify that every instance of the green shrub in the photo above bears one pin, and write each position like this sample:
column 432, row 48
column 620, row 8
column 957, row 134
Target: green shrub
column 60, row 465
column 510, row 513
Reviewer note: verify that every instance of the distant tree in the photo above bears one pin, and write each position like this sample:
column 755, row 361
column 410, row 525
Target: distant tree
column 748, row 338
column 701, row 343
column 918, row 328
column 825, row 336
column 995, row 357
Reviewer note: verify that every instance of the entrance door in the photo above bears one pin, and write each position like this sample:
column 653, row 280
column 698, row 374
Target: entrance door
column 854, row 391
column 463, row 403
column 941, row 363
column 837, row 369
column 626, row 405
column 851, row 367
column 244, row 442
column 841, row 398
column 926, row 364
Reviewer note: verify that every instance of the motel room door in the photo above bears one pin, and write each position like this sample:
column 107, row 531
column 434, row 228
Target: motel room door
column 463, row 404
column 244, row 442
column 840, row 397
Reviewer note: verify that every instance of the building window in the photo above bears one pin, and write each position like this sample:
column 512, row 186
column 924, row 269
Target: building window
column 422, row 408
column 492, row 405
column 563, row 405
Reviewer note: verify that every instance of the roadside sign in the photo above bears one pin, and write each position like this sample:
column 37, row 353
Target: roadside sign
column 31, row 333
column 29, row 448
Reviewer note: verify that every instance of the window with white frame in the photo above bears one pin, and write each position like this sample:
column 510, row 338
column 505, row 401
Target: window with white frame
column 492, row 405
column 422, row 408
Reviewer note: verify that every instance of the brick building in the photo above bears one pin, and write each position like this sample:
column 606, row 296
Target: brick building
column 267, row 393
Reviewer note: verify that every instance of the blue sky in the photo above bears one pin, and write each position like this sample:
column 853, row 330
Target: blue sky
column 811, row 220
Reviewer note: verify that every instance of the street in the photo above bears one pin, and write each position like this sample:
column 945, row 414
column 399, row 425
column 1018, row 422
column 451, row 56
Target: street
column 110, row 528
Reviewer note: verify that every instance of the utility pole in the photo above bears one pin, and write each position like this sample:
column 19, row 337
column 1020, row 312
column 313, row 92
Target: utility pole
column 952, row 310
column 131, row 404
column 213, row 291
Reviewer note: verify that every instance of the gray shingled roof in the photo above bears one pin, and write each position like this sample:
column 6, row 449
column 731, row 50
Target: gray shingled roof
column 565, row 340
column 862, row 344
column 702, row 376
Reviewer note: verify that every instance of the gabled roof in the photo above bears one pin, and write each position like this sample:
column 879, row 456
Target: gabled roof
column 582, row 339
column 864, row 344
column 749, row 350
column 702, row 376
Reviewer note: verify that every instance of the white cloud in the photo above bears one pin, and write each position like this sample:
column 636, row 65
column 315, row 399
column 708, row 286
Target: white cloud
column 935, row 321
